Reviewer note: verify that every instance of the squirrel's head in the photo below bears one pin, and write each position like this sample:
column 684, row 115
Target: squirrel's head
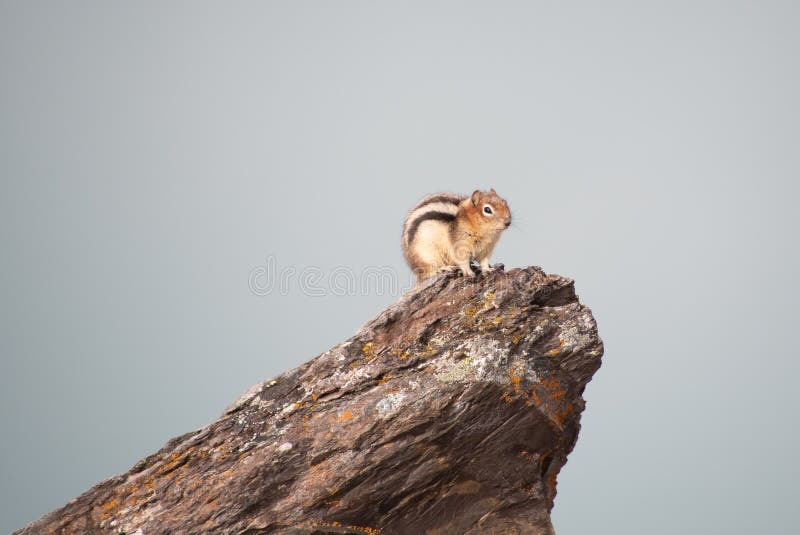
column 489, row 210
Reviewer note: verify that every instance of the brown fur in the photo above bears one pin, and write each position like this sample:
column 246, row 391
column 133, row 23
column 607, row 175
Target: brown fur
column 443, row 245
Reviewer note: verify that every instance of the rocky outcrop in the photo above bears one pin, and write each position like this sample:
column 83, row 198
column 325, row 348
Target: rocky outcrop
column 452, row 412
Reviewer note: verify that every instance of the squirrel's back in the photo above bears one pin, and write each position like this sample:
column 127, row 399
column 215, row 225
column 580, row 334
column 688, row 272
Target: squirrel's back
column 441, row 207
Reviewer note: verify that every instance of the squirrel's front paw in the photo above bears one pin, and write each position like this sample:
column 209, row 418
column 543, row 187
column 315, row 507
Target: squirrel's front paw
column 486, row 268
column 465, row 270
column 450, row 271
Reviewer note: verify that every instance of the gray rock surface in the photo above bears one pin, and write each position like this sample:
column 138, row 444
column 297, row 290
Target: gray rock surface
column 452, row 412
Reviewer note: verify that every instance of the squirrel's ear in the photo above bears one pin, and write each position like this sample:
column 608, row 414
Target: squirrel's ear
column 475, row 197
column 492, row 191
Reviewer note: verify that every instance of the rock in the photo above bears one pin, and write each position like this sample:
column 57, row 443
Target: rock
column 450, row 413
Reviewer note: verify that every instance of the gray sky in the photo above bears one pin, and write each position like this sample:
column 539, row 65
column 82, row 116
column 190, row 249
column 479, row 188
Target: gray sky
column 154, row 154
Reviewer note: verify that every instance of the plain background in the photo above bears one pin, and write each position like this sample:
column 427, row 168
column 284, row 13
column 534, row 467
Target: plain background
column 153, row 154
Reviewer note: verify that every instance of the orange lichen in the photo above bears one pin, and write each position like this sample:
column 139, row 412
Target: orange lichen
column 108, row 509
column 551, row 484
column 369, row 351
column 551, row 398
column 346, row 415
column 515, row 375
column 548, row 395
column 321, row 523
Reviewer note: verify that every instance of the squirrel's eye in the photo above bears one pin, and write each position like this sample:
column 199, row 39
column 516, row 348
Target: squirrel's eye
column 487, row 210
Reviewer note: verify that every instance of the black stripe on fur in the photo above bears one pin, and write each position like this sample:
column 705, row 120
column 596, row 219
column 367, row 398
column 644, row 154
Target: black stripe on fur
column 429, row 216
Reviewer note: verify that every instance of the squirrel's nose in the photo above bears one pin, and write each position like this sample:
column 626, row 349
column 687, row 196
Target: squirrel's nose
column 507, row 222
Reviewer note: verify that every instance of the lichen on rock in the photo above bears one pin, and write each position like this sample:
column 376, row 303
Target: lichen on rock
column 451, row 412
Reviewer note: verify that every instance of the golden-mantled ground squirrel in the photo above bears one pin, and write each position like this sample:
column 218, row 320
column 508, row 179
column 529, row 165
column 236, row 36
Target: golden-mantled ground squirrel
column 445, row 231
